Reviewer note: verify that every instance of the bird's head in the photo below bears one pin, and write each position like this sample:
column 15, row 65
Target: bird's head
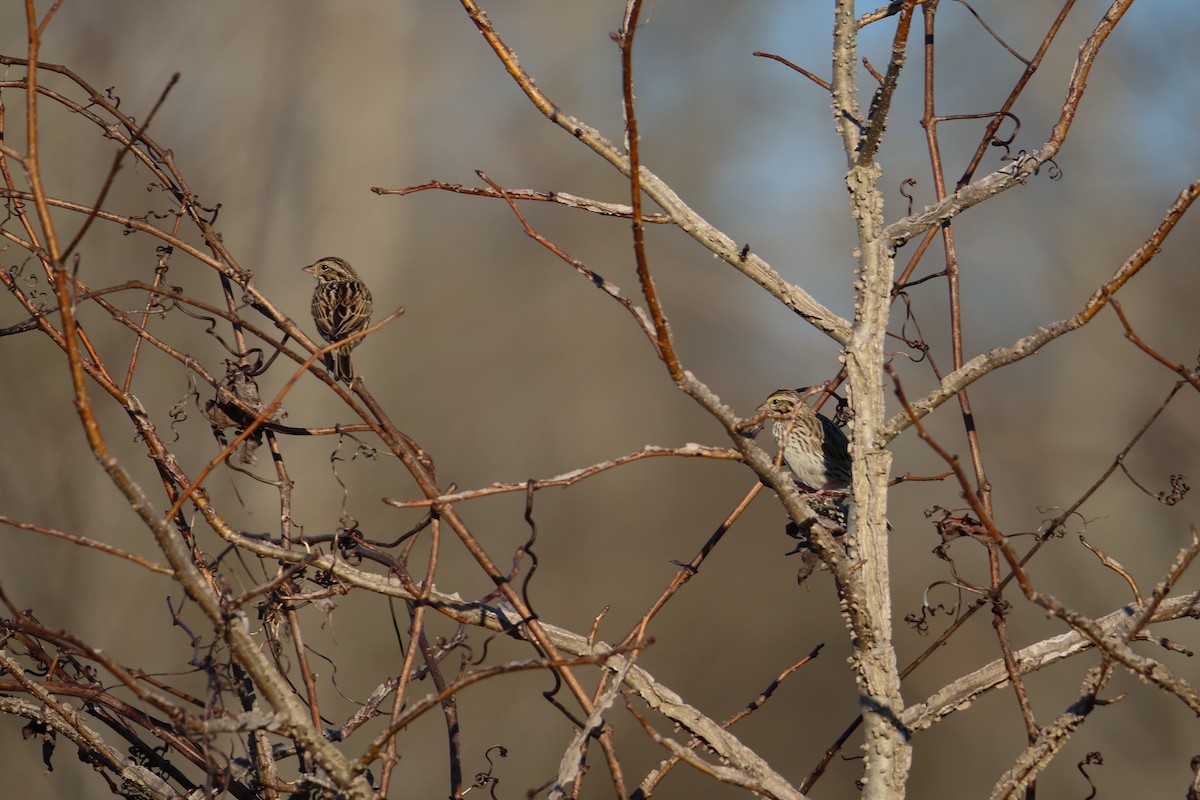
column 780, row 404
column 783, row 402
column 330, row 268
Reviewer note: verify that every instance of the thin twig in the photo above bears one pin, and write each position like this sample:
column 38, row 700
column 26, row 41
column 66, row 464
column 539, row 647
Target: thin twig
column 558, row 198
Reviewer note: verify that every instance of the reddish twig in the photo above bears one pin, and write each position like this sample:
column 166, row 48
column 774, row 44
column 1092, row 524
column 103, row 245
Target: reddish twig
column 84, row 541
column 1189, row 375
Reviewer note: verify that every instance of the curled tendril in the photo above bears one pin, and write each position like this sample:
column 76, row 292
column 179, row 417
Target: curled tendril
column 1018, row 160
column 486, row 779
column 1056, row 528
column 366, row 451
column 14, row 208
column 178, row 412
column 905, row 185
column 194, row 202
column 527, row 548
column 254, row 354
column 914, row 342
column 161, row 305
column 920, row 622
column 38, row 297
column 1179, row 489
column 997, row 141
column 1094, row 757
column 170, row 212
column 842, row 414
column 348, row 539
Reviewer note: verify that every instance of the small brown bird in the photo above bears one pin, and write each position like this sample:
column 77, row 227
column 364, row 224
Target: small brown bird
column 815, row 450
column 341, row 306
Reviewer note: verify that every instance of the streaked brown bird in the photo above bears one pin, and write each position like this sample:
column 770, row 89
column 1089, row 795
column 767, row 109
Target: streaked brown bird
column 814, row 449
column 341, row 307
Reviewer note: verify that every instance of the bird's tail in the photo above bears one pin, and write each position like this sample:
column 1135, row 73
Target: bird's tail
column 343, row 367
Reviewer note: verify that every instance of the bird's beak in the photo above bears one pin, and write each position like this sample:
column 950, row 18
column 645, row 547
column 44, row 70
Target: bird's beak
column 311, row 269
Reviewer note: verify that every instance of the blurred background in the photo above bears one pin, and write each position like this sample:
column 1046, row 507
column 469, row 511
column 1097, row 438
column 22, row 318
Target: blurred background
column 507, row 364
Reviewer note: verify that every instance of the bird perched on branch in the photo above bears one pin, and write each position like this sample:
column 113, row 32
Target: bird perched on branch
column 814, row 449
column 341, row 307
